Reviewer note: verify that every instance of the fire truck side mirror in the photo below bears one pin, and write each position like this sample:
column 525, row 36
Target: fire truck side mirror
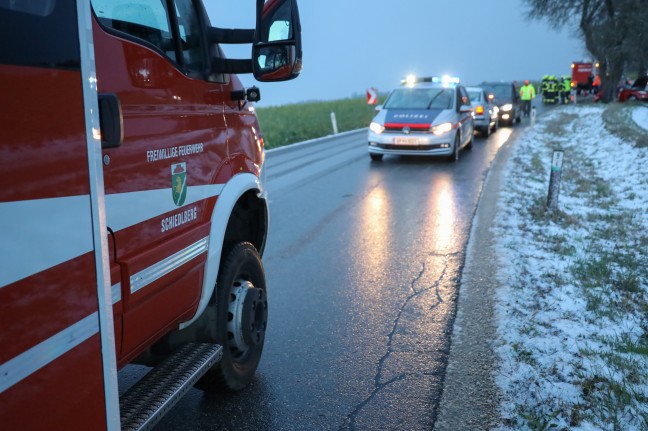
column 277, row 51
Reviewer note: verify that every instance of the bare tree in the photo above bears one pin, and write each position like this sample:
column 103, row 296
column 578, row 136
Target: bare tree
column 637, row 46
column 613, row 31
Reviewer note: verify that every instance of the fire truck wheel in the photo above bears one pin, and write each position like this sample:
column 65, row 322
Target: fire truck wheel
column 242, row 319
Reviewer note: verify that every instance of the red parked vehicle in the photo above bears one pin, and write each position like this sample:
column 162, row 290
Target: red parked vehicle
column 637, row 91
column 133, row 212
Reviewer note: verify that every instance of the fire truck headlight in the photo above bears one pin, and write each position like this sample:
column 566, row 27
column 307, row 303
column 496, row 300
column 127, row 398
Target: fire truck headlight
column 441, row 129
column 507, row 107
column 377, row 128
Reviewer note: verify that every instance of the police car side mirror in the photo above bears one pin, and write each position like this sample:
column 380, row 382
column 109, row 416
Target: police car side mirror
column 378, row 108
column 465, row 108
column 277, row 51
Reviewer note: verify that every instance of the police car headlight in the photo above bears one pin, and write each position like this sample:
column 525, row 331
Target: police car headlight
column 441, row 129
column 377, row 128
column 507, row 107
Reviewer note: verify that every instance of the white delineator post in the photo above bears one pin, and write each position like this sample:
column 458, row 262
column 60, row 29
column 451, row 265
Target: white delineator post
column 554, row 179
column 334, row 123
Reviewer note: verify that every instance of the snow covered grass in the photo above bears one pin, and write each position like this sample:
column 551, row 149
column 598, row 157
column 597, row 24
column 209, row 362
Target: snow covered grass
column 573, row 307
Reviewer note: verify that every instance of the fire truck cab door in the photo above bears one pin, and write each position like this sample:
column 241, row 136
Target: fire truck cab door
column 163, row 180
column 56, row 344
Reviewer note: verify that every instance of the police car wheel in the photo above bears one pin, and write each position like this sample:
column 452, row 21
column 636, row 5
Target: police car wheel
column 496, row 125
column 376, row 157
column 486, row 131
column 455, row 149
column 241, row 319
column 469, row 145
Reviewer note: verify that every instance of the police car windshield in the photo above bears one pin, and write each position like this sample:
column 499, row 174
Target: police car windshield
column 420, row 98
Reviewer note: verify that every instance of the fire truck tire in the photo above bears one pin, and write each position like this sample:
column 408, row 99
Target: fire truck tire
column 241, row 319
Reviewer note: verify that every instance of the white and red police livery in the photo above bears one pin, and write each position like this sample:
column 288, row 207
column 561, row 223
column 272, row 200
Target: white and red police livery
column 132, row 211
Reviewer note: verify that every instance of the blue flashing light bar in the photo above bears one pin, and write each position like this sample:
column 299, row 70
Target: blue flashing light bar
column 412, row 80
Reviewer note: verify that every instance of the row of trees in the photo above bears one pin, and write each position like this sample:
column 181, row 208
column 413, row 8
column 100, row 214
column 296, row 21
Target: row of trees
column 615, row 33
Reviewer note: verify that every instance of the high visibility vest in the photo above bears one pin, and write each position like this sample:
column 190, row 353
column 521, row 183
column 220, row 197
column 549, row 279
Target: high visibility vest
column 527, row 92
column 567, row 85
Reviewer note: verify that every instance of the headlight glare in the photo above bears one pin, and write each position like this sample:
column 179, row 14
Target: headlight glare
column 441, row 129
column 507, row 107
column 377, row 128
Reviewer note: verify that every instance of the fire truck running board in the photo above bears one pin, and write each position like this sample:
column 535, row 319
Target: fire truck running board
column 143, row 405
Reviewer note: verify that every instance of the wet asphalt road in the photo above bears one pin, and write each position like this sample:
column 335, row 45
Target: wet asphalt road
column 363, row 264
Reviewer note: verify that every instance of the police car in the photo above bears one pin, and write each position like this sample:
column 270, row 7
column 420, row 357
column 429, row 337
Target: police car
column 425, row 116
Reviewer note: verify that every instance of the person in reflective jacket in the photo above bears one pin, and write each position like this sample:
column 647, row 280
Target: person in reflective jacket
column 527, row 93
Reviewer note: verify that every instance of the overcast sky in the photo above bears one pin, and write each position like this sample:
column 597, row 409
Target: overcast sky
column 351, row 45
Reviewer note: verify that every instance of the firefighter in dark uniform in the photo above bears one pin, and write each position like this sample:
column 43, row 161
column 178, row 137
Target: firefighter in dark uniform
column 551, row 89
column 565, row 89
column 544, row 88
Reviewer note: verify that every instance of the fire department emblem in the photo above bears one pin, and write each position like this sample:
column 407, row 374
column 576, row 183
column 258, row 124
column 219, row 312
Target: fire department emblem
column 179, row 183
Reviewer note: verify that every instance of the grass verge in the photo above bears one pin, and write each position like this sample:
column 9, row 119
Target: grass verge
column 574, row 309
column 287, row 124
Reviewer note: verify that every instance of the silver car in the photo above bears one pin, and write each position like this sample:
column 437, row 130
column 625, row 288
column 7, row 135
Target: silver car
column 485, row 112
column 427, row 117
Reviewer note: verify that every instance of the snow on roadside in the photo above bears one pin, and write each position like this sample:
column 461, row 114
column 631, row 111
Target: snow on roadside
column 573, row 307
column 640, row 116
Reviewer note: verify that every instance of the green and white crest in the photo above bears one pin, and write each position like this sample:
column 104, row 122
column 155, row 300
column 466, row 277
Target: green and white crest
column 179, row 183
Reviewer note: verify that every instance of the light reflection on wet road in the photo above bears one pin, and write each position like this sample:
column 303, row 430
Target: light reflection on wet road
column 363, row 264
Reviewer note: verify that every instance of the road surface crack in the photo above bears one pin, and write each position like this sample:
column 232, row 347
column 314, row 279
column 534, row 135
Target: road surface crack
column 350, row 422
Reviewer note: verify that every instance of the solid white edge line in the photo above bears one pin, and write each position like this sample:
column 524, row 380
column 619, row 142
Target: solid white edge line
column 314, row 141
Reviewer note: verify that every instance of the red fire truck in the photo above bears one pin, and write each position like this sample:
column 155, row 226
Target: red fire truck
column 132, row 205
column 583, row 74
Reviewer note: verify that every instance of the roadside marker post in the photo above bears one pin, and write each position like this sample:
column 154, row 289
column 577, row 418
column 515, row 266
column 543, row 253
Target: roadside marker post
column 554, row 179
column 334, row 123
